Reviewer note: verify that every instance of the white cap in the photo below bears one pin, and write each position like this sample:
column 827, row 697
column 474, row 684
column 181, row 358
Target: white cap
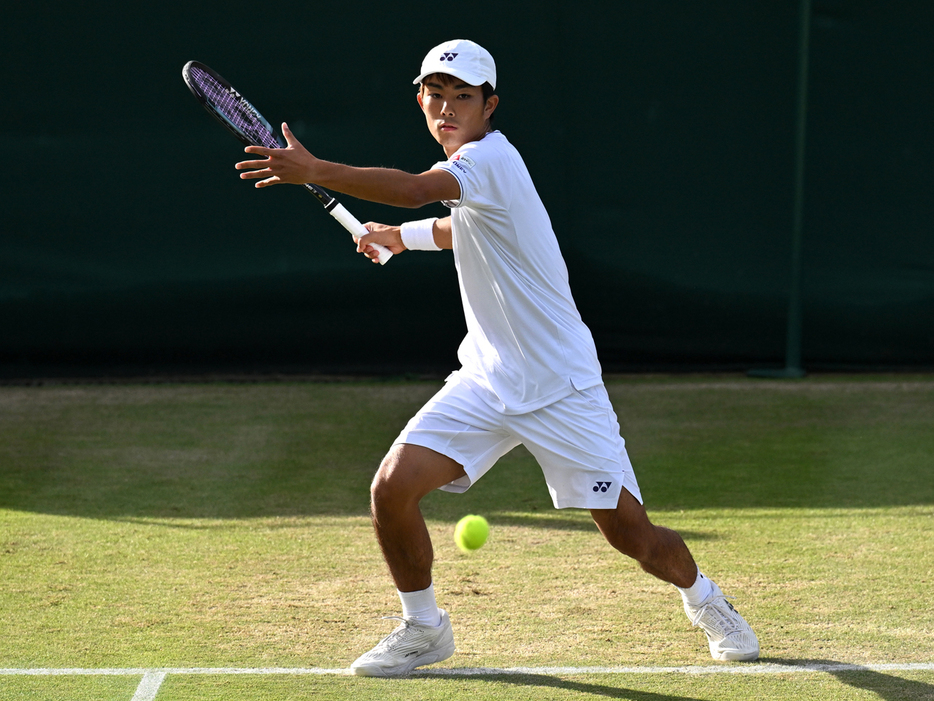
column 461, row 58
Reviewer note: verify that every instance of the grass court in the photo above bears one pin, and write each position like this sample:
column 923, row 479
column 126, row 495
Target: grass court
column 170, row 542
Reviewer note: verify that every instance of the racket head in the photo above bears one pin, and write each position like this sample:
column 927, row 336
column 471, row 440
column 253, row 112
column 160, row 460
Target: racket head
column 229, row 107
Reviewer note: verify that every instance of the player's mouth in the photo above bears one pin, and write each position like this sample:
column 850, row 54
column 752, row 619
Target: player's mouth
column 446, row 126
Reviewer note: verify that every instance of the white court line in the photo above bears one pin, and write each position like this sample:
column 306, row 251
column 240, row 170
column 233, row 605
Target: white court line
column 159, row 674
column 152, row 678
column 149, row 686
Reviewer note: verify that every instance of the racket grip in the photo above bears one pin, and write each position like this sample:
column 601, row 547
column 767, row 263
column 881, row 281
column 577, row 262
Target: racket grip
column 350, row 222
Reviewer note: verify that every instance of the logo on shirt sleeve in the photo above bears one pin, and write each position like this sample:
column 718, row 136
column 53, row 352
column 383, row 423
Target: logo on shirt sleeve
column 462, row 162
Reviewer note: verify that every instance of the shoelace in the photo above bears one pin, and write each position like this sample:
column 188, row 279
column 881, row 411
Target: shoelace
column 386, row 642
column 728, row 622
column 396, row 618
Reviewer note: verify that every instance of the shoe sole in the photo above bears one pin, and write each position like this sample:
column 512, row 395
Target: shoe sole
column 427, row 658
column 735, row 656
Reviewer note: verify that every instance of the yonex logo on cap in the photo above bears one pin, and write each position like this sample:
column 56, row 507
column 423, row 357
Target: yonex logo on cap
column 462, row 59
column 602, row 486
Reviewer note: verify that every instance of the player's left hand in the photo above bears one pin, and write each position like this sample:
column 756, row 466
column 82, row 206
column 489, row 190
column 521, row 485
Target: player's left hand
column 293, row 164
column 388, row 236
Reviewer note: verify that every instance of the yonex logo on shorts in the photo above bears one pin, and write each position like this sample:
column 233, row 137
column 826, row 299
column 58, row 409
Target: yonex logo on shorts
column 602, row 486
column 448, row 56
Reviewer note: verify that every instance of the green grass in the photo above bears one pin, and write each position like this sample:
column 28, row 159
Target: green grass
column 225, row 525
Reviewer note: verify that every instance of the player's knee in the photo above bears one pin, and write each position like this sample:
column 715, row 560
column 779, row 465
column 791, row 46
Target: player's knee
column 631, row 545
column 382, row 489
column 390, row 487
column 636, row 538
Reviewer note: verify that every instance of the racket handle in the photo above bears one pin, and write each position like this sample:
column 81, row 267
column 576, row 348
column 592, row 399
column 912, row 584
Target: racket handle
column 350, row 222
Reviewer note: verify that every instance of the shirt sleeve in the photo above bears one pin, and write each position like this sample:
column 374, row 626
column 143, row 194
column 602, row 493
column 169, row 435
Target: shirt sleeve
column 470, row 166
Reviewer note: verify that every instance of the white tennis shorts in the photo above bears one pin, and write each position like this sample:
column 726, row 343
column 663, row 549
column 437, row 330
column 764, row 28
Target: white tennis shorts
column 576, row 441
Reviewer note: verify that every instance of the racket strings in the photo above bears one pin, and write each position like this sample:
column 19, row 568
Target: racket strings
column 234, row 109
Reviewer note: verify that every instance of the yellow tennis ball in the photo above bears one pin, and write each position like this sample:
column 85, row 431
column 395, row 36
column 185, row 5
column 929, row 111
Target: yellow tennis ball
column 471, row 532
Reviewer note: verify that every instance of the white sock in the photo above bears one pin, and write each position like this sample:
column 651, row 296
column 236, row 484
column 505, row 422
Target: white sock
column 421, row 607
column 698, row 592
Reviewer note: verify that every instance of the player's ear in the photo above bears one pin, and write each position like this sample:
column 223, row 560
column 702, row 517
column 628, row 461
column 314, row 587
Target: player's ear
column 418, row 97
column 490, row 106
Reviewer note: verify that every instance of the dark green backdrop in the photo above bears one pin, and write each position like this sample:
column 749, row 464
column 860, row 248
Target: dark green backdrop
column 661, row 136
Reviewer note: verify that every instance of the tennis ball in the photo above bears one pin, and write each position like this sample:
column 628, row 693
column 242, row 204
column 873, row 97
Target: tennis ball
column 471, row 532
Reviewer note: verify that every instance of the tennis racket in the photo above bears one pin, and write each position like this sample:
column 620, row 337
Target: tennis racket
column 243, row 120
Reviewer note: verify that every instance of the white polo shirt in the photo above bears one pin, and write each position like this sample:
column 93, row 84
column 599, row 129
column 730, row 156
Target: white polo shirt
column 526, row 346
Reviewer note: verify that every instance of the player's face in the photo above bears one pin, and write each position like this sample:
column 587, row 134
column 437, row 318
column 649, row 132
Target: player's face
column 456, row 113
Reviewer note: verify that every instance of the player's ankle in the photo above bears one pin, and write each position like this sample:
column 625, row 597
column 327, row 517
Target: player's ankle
column 421, row 606
column 698, row 592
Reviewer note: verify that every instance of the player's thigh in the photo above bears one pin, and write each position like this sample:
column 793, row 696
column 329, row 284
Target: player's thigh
column 457, row 424
column 409, row 472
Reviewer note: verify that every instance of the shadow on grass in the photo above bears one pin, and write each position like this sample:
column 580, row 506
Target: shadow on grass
column 294, row 450
column 576, row 520
column 544, row 682
column 885, row 686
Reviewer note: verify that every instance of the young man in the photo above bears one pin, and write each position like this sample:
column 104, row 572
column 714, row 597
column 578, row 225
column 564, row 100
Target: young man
column 529, row 371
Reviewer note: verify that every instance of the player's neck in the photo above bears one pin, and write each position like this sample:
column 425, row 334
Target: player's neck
column 451, row 148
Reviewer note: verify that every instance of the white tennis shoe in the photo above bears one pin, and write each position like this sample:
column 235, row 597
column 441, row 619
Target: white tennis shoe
column 409, row 646
column 728, row 634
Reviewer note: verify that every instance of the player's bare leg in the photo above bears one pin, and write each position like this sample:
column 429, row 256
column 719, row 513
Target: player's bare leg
column 661, row 552
column 406, row 475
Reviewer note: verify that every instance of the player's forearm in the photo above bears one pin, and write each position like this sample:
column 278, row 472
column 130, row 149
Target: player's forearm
column 441, row 230
column 423, row 235
column 383, row 185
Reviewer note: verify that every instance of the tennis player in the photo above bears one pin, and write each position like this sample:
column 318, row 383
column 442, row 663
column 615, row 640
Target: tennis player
column 529, row 370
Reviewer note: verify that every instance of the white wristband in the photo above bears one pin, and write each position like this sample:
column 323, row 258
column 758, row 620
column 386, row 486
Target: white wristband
column 418, row 236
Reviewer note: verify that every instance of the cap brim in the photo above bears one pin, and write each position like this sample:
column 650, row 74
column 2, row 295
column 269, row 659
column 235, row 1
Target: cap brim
column 473, row 80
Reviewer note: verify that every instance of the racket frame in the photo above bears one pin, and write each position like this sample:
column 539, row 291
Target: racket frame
column 330, row 203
